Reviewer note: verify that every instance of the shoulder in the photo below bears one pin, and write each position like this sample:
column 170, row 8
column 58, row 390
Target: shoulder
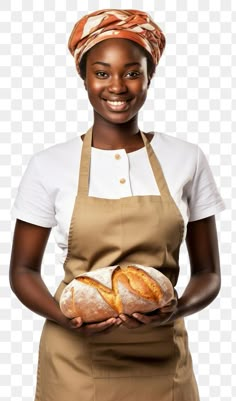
column 59, row 153
column 176, row 153
column 53, row 167
column 171, row 143
column 48, row 172
column 58, row 159
column 189, row 174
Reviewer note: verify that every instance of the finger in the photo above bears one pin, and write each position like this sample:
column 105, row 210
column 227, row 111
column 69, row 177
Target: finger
column 146, row 319
column 105, row 331
column 167, row 309
column 102, row 325
column 76, row 322
column 100, row 328
column 170, row 306
column 129, row 322
column 172, row 302
column 154, row 320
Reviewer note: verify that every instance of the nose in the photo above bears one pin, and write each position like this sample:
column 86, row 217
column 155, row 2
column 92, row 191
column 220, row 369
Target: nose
column 117, row 85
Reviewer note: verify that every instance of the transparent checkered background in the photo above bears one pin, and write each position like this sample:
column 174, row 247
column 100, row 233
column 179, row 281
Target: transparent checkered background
column 43, row 102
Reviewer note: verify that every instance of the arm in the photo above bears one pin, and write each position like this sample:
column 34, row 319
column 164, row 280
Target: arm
column 205, row 279
column 28, row 247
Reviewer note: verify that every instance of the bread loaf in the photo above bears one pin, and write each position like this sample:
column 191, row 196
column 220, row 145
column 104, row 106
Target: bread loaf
column 109, row 291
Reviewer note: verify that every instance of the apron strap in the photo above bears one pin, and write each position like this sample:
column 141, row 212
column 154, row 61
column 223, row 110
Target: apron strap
column 84, row 172
column 83, row 184
column 156, row 168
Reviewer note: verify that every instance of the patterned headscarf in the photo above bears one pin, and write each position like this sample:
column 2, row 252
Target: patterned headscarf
column 100, row 25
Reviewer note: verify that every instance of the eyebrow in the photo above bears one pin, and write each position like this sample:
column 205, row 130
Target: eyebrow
column 108, row 65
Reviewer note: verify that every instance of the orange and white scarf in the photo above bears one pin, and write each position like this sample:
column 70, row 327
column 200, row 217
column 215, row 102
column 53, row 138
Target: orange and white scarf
column 104, row 24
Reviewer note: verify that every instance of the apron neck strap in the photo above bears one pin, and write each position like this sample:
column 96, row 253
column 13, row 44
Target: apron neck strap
column 84, row 173
column 156, row 168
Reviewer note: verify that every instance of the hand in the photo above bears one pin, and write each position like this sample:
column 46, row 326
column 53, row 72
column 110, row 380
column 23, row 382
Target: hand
column 156, row 318
column 90, row 329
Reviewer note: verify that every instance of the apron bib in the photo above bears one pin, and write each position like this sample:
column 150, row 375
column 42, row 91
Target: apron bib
column 126, row 364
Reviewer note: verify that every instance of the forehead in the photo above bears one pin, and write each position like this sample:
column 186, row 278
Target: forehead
column 117, row 48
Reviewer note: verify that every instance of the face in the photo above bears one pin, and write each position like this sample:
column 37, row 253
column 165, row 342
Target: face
column 116, row 80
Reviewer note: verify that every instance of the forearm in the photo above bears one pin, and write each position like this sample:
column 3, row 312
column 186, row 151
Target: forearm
column 201, row 290
column 33, row 293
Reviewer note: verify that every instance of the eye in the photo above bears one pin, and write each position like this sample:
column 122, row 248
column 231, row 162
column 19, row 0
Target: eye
column 133, row 74
column 101, row 74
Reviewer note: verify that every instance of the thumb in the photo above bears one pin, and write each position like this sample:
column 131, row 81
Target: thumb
column 76, row 322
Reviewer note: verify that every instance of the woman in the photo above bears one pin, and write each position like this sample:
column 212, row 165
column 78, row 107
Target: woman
column 135, row 203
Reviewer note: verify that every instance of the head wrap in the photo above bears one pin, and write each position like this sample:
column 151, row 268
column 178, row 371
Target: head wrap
column 104, row 24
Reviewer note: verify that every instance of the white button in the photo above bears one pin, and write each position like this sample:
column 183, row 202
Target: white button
column 117, row 156
column 122, row 180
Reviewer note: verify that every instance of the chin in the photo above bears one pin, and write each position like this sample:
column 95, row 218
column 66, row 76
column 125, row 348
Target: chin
column 117, row 118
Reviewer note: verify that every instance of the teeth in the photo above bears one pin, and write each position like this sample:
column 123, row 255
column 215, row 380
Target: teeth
column 115, row 103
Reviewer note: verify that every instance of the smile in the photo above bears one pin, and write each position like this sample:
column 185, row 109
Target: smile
column 117, row 105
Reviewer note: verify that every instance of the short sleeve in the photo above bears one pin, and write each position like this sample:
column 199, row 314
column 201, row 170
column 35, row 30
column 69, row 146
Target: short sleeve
column 204, row 199
column 33, row 203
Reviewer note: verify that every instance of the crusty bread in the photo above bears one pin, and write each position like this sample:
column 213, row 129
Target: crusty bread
column 109, row 291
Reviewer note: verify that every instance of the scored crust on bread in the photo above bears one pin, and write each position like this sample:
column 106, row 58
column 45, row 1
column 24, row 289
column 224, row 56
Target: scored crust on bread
column 133, row 278
column 142, row 284
column 110, row 295
column 107, row 292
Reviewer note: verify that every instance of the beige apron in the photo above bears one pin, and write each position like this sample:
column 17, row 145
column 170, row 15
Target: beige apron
column 152, row 364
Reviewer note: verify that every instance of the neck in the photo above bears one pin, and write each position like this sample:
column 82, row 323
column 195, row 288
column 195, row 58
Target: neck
column 107, row 135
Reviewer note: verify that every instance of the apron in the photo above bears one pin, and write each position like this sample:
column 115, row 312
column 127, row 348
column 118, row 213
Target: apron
column 126, row 364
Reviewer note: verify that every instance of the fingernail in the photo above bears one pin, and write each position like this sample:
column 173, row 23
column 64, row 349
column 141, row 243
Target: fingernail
column 77, row 323
column 135, row 315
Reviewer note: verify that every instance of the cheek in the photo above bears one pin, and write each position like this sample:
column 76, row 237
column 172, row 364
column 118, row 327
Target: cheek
column 93, row 82
column 96, row 86
column 94, row 89
column 145, row 84
column 140, row 86
column 142, row 89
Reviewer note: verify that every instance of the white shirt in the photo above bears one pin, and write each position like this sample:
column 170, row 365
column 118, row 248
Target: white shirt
column 48, row 188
